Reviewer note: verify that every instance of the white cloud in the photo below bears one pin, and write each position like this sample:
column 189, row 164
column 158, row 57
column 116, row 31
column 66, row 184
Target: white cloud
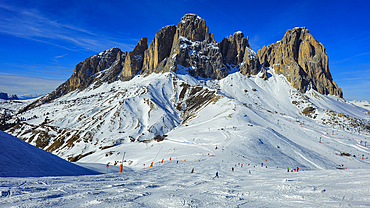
column 361, row 54
column 14, row 84
column 33, row 25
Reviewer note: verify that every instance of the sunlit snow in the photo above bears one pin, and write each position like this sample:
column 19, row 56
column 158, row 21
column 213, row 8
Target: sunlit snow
column 250, row 125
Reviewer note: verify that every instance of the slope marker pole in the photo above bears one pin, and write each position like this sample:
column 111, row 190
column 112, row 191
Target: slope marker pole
column 123, row 158
column 157, row 155
column 173, row 152
column 121, row 165
column 166, row 154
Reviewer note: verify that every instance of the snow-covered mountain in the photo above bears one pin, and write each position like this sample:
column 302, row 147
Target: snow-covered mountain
column 29, row 96
column 185, row 94
column 363, row 104
column 253, row 115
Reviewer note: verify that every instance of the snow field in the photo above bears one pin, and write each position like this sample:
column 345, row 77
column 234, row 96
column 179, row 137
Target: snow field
column 172, row 185
column 251, row 121
column 20, row 159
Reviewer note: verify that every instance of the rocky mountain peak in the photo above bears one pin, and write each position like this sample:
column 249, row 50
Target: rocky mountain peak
column 134, row 60
column 190, row 48
column 91, row 70
column 302, row 60
column 159, row 49
column 233, row 48
column 193, row 28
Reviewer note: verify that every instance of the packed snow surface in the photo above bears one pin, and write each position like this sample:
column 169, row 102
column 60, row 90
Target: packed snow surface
column 171, row 184
column 20, row 159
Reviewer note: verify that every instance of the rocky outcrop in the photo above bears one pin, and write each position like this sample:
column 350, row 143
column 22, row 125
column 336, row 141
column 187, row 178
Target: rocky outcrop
column 85, row 72
column 302, row 60
column 233, row 48
column 91, row 70
column 107, row 66
column 134, row 60
column 195, row 51
column 193, row 28
column 263, row 74
column 198, row 58
column 190, row 48
column 159, row 49
column 250, row 64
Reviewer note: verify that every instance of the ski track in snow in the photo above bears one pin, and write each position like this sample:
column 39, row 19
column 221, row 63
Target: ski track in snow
column 172, row 185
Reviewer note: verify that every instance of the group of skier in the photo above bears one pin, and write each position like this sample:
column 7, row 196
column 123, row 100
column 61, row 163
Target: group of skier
column 291, row 170
column 241, row 165
column 232, row 170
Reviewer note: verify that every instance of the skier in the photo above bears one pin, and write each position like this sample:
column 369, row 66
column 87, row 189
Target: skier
column 249, row 171
column 297, row 169
column 192, row 170
column 287, row 169
column 216, row 175
column 232, row 169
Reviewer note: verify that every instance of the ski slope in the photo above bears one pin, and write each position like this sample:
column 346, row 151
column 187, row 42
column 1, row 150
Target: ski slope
column 20, row 159
column 171, row 184
column 253, row 122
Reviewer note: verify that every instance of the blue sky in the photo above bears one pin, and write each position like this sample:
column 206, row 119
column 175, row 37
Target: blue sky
column 41, row 42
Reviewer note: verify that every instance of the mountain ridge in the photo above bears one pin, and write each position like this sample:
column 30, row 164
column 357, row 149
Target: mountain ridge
column 99, row 121
column 201, row 87
column 190, row 45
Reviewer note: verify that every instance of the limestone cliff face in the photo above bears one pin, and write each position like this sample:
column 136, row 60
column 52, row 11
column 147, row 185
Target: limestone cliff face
column 85, row 72
column 91, row 70
column 193, row 28
column 107, row 66
column 194, row 50
column 159, row 49
column 302, row 60
column 233, row 48
column 134, row 60
column 250, row 64
column 190, row 48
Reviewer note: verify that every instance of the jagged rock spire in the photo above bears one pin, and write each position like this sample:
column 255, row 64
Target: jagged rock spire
column 159, row 49
column 134, row 60
column 193, row 28
column 233, row 48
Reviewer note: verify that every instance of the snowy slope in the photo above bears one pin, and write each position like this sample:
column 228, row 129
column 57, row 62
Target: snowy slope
column 20, row 159
column 173, row 185
column 363, row 104
column 253, row 122
column 259, row 119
